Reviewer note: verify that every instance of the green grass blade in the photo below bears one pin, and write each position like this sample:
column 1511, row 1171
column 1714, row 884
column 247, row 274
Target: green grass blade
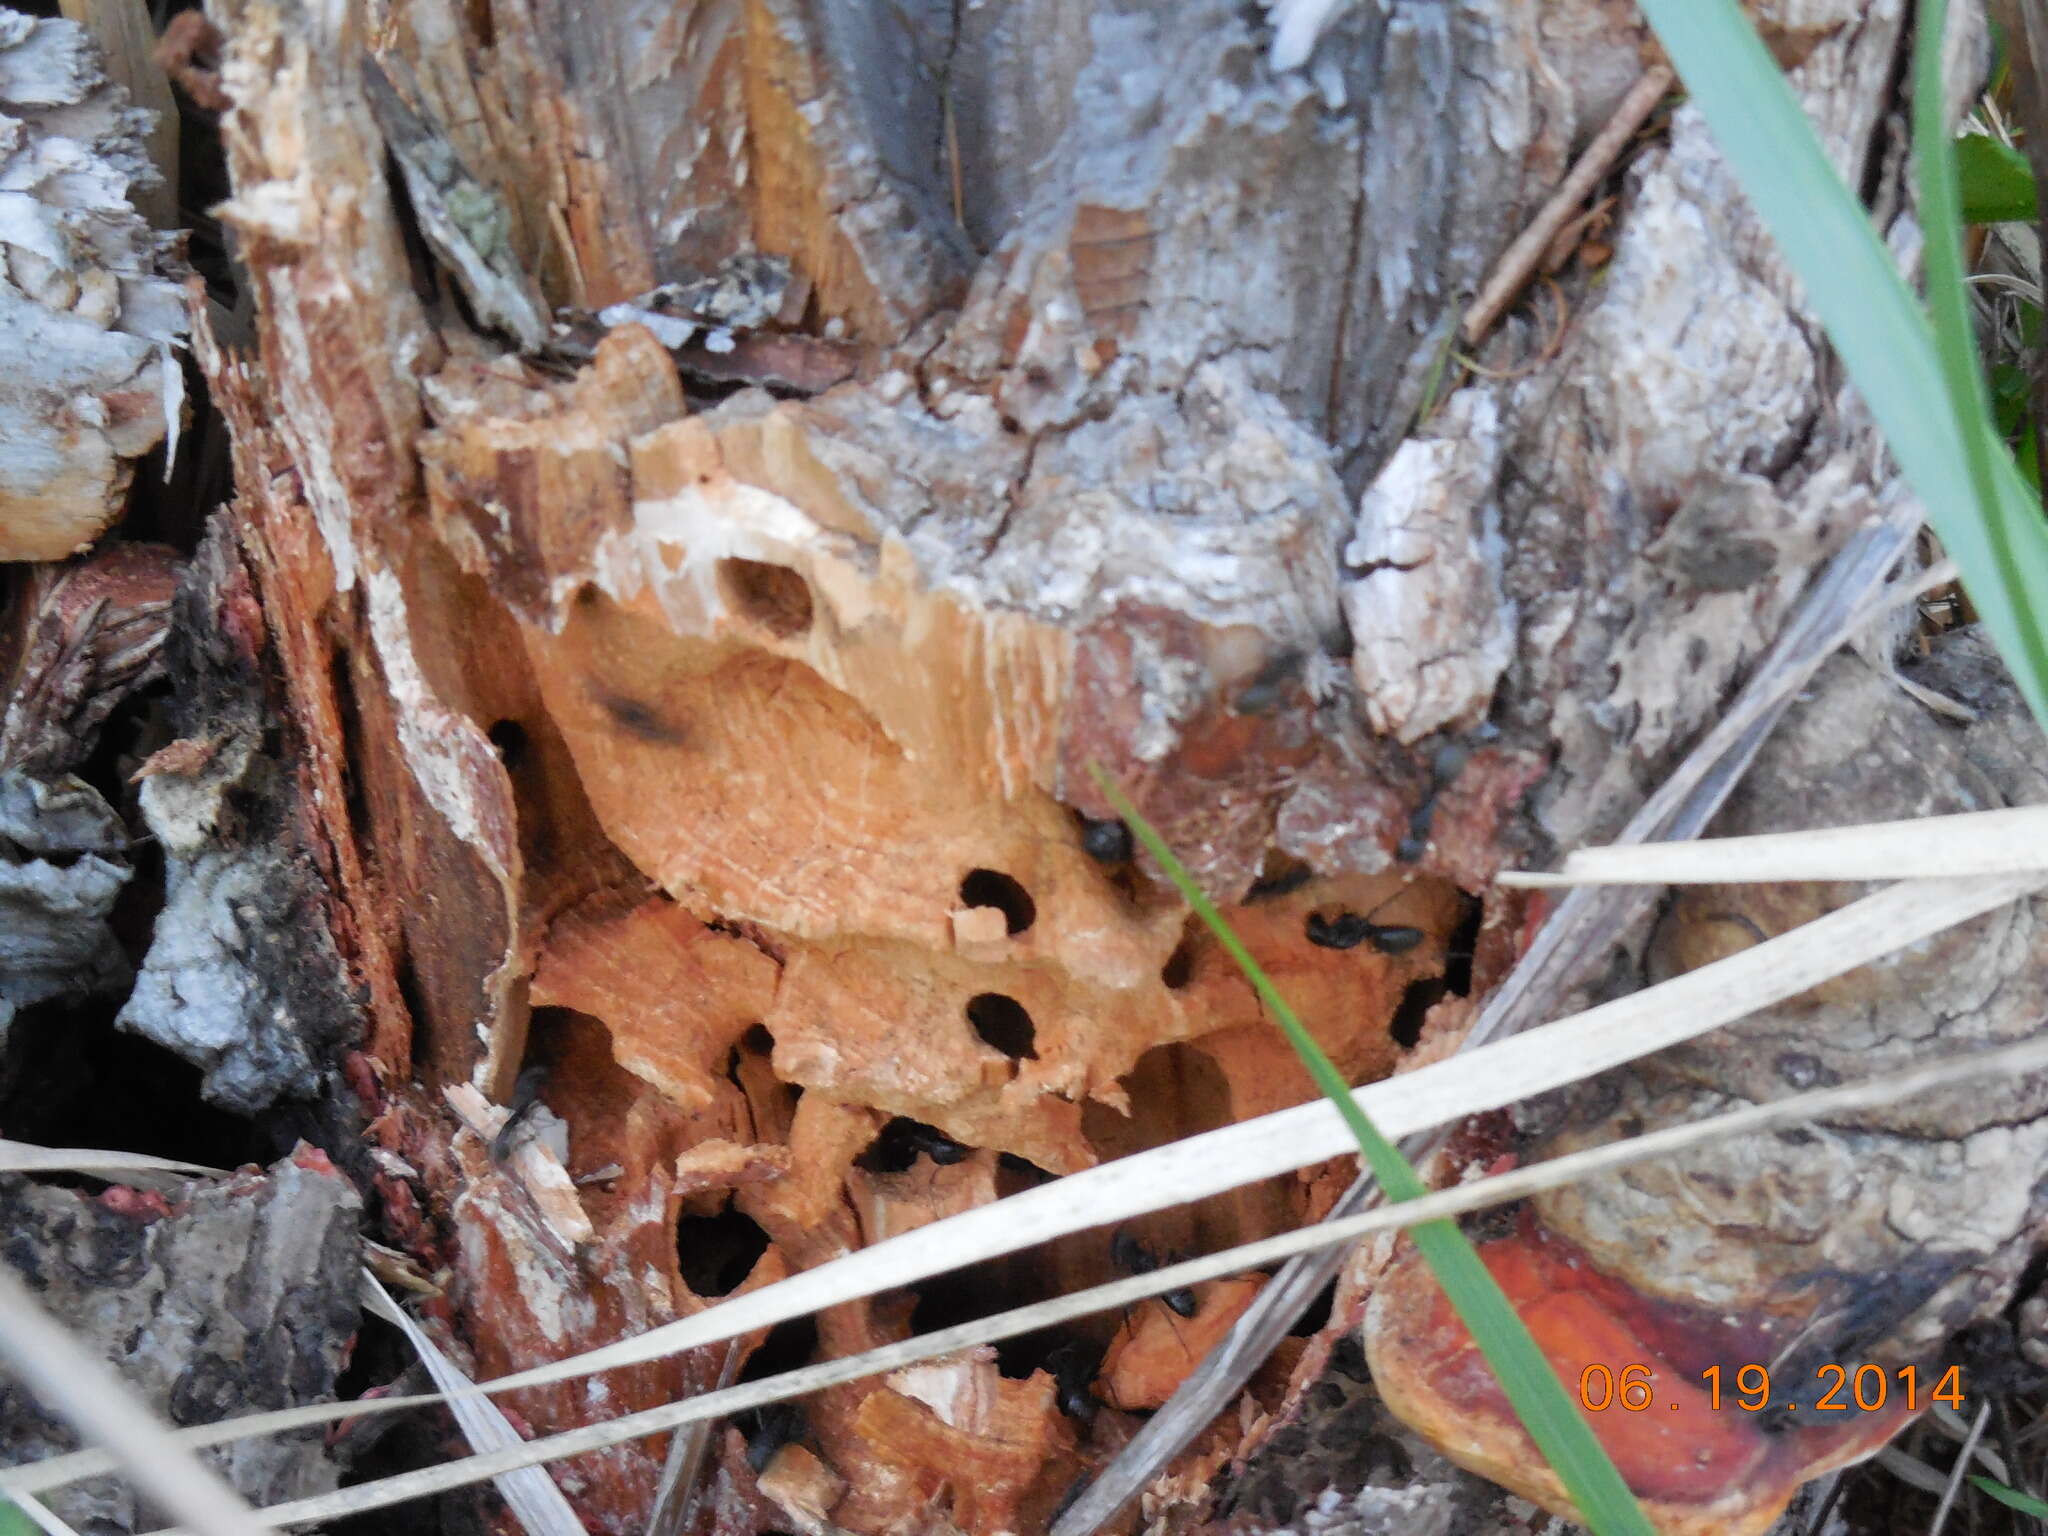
column 1941, row 214
column 2009, row 512
column 1871, row 317
column 1539, row 1399
column 2012, row 1498
column 1995, row 181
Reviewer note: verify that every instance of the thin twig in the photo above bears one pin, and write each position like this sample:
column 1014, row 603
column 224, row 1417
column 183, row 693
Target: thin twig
column 1836, row 1482
column 2012, row 837
column 1518, row 263
column 682, row 1471
column 1955, row 1476
column 532, row 1496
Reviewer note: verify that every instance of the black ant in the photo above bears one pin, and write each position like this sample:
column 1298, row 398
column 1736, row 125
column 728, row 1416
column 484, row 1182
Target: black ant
column 774, row 1426
column 1106, row 842
column 1074, row 1367
column 1127, row 1253
column 1347, row 930
column 525, row 1095
column 903, row 1140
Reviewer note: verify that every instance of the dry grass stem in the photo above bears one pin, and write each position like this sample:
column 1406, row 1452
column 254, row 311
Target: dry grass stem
column 1805, row 1108
column 2002, row 842
column 71, row 1381
column 528, row 1492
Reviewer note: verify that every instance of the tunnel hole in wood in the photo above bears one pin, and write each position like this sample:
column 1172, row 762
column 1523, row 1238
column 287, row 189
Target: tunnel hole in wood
column 768, row 1429
column 1071, row 1357
column 714, row 1254
column 1417, row 998
column 773, row 597
column 1002, row 1022
column 1179, row 969
column 993, row 888
column 1175, row 1090
column 788, row 1347
column 1016, row 1174
column 509, row 737
column 983, row 1289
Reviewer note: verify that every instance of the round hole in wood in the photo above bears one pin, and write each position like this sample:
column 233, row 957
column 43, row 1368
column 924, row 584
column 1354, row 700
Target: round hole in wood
column 1002, row 1022
column 993, row 888
column 772, row 596
column 715, row 1253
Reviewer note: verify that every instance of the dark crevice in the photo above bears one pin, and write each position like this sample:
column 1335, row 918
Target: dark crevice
column 1016, row 1174
column 1317, row 1314
column 789, row 1346
column 509, row 737
column 71, row 1079
column 1464, row 938
column 1870, row 185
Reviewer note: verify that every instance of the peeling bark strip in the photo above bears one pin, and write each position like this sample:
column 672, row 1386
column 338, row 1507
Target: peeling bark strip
column 708, row 760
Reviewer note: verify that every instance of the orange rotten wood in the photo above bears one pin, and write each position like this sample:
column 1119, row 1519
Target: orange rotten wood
column 1698, row 1470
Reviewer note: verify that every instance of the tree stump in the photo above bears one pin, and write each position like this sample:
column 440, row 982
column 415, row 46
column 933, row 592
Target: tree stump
column 709, row 483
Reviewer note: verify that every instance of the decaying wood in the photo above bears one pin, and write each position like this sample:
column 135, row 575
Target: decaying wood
column 223, row 1298
column 86, row 315
column 630, row 728
column 81, row 640
column 241, row 977
column 126, row 43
